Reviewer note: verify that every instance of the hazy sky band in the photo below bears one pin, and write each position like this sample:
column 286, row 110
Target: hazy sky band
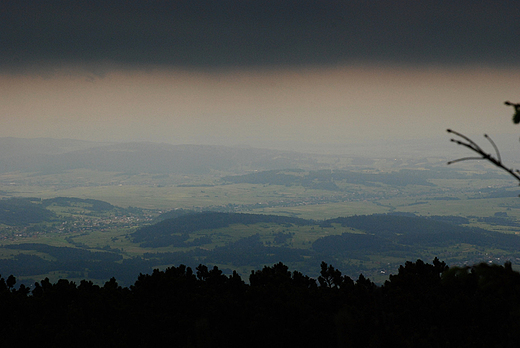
column 260, row 73
column 238, row 33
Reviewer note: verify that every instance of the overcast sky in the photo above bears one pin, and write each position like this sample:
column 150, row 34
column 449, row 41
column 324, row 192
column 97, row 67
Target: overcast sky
column 257, row 72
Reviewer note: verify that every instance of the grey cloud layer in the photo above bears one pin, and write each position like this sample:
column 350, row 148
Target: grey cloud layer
column 241, row 33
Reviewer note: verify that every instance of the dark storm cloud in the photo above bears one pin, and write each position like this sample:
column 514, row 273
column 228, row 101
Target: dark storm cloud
column 234, row 33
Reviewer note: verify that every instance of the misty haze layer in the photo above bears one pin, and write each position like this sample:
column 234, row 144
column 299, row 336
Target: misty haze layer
column 288, row 74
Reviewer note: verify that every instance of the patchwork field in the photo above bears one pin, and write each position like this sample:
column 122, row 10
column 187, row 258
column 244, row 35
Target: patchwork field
column 109, row 231
column 100, row 212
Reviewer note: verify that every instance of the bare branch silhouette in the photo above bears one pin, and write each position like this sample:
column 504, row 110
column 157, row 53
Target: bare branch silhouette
column 470, row 144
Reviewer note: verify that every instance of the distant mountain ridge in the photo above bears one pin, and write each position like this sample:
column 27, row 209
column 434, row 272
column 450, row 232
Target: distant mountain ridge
column 14, row 147
column 51, row 155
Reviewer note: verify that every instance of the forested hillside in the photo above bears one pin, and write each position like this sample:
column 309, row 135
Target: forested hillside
column 368, row 244
column 423, row 305
column 23, row 212
column 177, row 230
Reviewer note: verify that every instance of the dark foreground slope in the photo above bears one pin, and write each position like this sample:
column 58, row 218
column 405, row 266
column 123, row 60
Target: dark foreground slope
column 424, row 305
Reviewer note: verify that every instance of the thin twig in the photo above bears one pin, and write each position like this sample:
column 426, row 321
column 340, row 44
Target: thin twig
column 464, row 159
column 471, row 142
column 494, row 146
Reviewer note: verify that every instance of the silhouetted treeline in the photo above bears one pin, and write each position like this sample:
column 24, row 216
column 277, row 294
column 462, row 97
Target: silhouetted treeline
column 424, row 305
